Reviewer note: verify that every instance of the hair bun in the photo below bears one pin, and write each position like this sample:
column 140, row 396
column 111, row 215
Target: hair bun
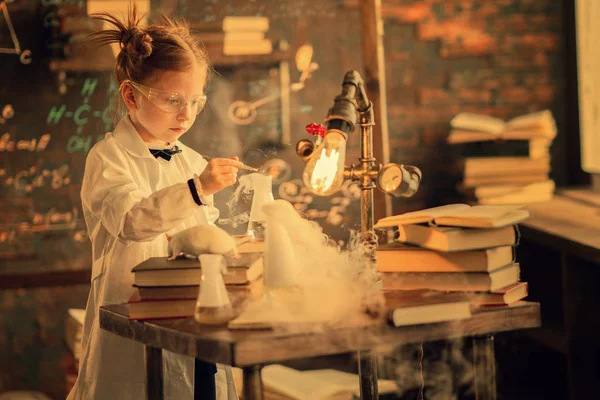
column 137, row 43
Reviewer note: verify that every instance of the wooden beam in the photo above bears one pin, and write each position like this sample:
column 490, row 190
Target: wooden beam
column 374, row 77
column 45, row 279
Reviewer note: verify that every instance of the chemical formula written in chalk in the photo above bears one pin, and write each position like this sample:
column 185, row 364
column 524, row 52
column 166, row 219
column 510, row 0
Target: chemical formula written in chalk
column 34, row 177
column 81, row 117
column 52, row 220
column 9, row 144
column 7, row 113
column 24, row 55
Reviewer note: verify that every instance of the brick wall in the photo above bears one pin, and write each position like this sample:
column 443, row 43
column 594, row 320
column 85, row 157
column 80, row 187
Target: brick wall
column 33, row 354
column 500, row 57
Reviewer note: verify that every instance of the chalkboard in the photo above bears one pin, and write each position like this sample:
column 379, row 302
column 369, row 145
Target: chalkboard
column 49, row 121
column 57, row 99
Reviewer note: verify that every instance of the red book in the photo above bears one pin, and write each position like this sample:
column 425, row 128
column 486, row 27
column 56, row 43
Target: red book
column 501, row 297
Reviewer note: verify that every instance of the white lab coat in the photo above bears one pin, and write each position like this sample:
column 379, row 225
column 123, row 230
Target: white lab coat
column 130, row 199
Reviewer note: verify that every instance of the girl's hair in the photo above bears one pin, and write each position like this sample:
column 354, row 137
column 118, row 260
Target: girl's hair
column 166, row 45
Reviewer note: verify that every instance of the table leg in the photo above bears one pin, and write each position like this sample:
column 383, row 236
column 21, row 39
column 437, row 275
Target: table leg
column 154, row 373
column 484, row 363
column 253, row 387
column 367, row 373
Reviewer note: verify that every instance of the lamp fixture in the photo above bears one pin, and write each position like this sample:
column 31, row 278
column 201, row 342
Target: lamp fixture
column 325, row 169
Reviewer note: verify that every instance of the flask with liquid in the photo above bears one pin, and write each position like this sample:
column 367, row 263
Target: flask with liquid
column 213, row 306
column 263, row 194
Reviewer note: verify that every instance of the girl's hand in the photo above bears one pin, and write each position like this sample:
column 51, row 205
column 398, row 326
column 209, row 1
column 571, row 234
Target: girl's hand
column 219, row 173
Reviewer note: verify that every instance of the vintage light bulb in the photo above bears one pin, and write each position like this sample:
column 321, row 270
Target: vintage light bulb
column 324, row 173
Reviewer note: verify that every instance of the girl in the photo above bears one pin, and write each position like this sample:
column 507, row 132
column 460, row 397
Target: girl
column 140, row 182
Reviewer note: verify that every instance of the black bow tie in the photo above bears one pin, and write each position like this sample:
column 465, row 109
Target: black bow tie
column 165, row 153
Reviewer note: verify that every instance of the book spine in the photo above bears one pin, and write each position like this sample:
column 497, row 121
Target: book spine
column 243, row 36
column 245, row 24
column 478, row 167
column 470, row 182
column 434, row 261
column 519, row 148
column 517, row 237
column 517, row 199
column 250, row 47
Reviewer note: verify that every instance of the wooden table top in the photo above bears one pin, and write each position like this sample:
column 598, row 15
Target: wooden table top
column 244, row 348
column 567, row 224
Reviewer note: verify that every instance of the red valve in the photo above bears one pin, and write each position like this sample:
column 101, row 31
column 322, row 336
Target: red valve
column 316, row 130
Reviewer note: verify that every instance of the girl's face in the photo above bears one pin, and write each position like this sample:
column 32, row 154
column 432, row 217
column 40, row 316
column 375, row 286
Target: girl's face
column 153, row 123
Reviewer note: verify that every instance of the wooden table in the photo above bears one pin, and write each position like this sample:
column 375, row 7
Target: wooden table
column 567, row 224
column 250, row 350
column 560, row 258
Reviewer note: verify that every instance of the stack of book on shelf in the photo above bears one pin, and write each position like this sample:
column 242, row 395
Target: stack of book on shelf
column 449, row 259
column 246, row 36
column 504, row 162
column 169, row 289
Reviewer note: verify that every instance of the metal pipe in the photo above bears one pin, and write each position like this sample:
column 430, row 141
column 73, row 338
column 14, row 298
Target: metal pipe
column 367, row 162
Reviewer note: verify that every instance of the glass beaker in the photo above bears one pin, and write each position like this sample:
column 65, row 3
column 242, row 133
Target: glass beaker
column 213, row 306
column 280, row 263
column 263, row 194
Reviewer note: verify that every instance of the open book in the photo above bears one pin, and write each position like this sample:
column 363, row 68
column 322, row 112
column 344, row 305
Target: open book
column 470, row 127
column 323, row 384
column 463, row 215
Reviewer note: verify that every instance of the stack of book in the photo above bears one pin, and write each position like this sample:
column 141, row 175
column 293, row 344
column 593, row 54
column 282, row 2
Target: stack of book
column 448, row 259
column 169, row 289
column 504, row 162
column 246, row 36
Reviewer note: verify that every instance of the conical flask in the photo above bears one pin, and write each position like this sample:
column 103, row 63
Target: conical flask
column 263, row 194
column 213, row 306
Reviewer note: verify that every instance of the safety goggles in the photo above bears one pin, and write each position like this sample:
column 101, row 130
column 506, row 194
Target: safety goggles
column 171, row 102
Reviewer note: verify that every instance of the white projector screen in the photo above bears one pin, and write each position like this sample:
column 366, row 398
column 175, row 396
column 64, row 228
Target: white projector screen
column 587, row 15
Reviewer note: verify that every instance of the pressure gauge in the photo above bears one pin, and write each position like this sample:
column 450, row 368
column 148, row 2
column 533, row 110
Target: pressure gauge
column 390, row 177
column 399, row 180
